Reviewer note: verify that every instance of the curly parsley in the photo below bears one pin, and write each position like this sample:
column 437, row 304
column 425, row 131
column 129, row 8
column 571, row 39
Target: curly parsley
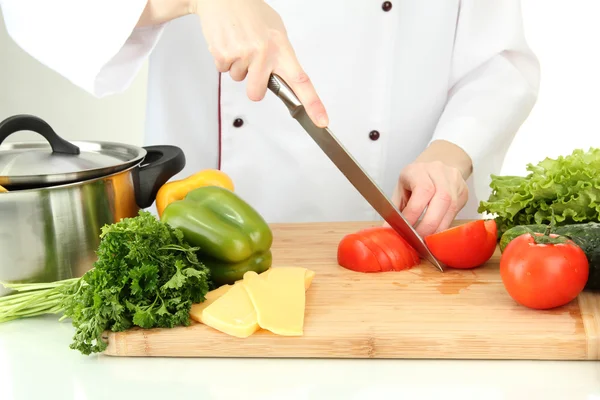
column 146, row 275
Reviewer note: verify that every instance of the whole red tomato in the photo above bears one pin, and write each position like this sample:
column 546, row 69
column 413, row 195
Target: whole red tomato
column 543, row 271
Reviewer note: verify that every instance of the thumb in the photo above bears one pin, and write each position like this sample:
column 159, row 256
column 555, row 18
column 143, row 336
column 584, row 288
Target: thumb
column 399, row 198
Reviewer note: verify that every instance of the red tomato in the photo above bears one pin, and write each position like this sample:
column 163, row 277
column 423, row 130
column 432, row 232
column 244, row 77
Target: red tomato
column 377, row 249
column 543, row 275
column 465, row 246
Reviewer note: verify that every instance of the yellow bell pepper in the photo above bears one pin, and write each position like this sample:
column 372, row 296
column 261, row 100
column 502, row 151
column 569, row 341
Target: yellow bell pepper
column 177, row 190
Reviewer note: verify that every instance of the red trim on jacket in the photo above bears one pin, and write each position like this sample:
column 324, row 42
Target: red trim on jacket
column 219, row 116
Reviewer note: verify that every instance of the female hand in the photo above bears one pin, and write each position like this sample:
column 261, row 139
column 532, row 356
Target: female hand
column 247, row 38
column 435, row 182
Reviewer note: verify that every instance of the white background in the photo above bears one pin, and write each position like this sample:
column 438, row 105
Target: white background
column 564, row 34
column 566, row 37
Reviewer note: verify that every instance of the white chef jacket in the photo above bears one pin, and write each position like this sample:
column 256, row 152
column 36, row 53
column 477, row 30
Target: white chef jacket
column 393, row 76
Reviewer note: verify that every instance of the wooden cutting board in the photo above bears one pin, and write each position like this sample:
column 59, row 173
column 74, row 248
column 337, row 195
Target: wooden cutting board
column 417, row 313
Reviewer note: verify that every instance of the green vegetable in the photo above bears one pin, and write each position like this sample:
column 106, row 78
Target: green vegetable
column 224, row 273
column 585, row 235
column 519, row 230
column 566, row 188
column 35, row 299
column 233, row 238
column 146, row 275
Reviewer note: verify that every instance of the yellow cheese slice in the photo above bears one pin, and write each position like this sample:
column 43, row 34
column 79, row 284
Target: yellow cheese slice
column 211, row 297
column 279, row 299
column 308, row 275
column 230, row 309
column 232, row 313
column 3, row 190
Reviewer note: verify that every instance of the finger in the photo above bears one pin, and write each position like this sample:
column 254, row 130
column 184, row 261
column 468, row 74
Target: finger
column 302, row 86
column 447, row 220
column 239, row 69
column 222, row 62
column 259, row 72
column 399, row 198
column 421, row 190
column 453, row 211
column 438, row 208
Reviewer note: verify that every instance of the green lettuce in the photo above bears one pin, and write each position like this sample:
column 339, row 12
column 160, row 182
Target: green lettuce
column 562, row 191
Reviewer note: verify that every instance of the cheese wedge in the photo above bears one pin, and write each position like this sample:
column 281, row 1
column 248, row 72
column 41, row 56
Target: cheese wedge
column 233, row 313
column 211, row 297
column 279, row 299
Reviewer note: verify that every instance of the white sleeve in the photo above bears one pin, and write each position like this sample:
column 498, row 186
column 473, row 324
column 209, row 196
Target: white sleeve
column 494, row 82
column 93, row 44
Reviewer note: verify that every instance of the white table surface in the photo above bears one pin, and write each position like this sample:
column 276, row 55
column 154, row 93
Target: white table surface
column 37, row 363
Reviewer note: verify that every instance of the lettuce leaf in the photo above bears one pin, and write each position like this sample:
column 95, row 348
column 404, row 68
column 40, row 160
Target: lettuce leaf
column 562, row 191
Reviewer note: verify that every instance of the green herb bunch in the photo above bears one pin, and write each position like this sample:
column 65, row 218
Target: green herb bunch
column 146, row 275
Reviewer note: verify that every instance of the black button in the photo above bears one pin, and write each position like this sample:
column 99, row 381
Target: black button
column 238, row 122
column 374, row 135
column 386, row 6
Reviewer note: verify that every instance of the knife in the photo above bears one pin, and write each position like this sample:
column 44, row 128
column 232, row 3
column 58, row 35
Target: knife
column 351, row 169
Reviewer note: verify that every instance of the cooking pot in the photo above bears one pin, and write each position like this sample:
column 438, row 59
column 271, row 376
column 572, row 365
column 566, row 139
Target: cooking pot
column 60, row 195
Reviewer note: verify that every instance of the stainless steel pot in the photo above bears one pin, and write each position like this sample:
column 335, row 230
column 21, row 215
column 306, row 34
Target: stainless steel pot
column 61, row 193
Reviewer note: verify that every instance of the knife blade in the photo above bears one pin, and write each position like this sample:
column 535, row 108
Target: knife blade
column 336, row 152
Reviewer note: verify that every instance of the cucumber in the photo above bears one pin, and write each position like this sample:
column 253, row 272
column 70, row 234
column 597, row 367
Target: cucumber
column 585, row 235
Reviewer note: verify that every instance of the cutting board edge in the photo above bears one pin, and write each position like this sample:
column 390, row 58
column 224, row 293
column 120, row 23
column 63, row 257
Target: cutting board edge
column 132, row 344
column 353, row 357
column 589, row 307
column 482, row 357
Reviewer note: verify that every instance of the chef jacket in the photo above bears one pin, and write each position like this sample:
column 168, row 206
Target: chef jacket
column 393, row 75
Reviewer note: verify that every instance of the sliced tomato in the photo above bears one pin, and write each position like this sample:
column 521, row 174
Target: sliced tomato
column 383, row 260
column 377, row 249
column 354, row 254
column 465, row 246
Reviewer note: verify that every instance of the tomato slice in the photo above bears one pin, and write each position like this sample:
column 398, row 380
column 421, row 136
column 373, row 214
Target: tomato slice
column 355, row 255
column 377, row 249
column 383, row 246
column 410, row 253
column 465, row 246
column 372, row 242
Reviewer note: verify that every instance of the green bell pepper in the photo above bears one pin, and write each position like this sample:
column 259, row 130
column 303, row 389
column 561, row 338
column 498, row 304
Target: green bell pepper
column 232, row 237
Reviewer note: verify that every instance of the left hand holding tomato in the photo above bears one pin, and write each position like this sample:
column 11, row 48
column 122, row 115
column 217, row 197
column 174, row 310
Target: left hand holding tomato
column 435, row 186
column 436, row 181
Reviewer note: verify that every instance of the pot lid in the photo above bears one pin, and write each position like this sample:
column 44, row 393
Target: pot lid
column 57, row 161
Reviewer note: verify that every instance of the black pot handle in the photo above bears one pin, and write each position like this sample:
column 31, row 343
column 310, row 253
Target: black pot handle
column 24, row 122
column 160, row 164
